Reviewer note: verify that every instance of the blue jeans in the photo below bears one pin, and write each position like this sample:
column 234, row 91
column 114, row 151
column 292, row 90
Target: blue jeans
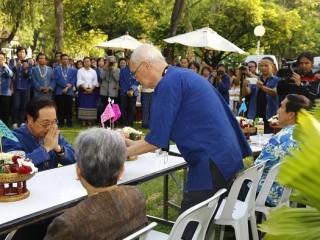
column 20, row 101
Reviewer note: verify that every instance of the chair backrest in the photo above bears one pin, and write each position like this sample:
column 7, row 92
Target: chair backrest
column 142, row 233
column 266, row 187
column 252, row 174
column 201, row 213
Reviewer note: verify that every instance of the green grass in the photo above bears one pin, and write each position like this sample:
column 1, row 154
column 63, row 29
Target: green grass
column 152, row 189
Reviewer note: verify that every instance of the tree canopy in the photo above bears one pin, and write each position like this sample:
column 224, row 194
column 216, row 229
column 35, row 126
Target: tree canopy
column 291, row 26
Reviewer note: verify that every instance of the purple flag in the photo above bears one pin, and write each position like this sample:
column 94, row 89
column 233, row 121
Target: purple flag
column 117, row 112
column 107, row 114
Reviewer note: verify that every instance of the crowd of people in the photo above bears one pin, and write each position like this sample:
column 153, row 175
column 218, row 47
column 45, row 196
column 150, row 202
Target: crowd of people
column 82, row 88
column 85, row 86
column 263, row 98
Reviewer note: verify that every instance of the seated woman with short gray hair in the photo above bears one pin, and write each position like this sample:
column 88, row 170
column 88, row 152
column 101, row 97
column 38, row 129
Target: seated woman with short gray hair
column 109, row 211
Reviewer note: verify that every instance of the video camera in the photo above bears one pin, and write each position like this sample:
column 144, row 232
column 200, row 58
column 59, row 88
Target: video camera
column 288, row 67
column 243, row 68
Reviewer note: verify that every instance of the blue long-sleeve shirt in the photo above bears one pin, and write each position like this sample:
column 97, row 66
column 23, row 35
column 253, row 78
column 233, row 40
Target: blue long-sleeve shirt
column 5, row 81
column 22, row 80
column 42, row 79
column 64, row 76
column 127, row 82
column 34, row 150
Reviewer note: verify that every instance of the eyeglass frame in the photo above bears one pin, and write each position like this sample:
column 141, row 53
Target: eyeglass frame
column 46, row 125
column 135, row 72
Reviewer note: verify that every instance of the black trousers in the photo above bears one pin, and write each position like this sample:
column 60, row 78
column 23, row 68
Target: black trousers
column 192, row 198
column 5, row 109
column 128, row 109
column 64, row 107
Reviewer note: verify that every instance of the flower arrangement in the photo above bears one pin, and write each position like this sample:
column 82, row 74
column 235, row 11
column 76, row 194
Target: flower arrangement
column 132, row 133
column 247, row 126
column 10, row 163
column 14, row 173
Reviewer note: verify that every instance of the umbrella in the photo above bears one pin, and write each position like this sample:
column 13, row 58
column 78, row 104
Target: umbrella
column 205, row 38
column 121, row 43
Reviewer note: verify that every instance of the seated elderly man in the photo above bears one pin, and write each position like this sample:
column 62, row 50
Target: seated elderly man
column 40, row 138
column 110, row 211
column 281, row 143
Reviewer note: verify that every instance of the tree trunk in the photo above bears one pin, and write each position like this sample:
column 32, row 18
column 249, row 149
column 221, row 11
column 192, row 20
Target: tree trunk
column 175, row 18
column 58, row 10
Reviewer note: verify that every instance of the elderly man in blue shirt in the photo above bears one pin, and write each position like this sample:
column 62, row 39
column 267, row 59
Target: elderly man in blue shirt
column 40, row 138
column 189, row 111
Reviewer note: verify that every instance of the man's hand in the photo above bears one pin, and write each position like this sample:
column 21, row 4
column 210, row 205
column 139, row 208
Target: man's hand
column 50, row 141
column 130, row 93
column 259, row 83
column 296, row 78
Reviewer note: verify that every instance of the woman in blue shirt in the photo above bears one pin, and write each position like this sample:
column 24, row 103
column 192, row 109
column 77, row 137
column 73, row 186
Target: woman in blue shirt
column 5, row 89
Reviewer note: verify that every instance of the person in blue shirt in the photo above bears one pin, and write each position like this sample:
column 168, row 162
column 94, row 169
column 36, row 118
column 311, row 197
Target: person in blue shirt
column 281, row 143
column 65, row 78
column 40, row 138
column 264, row 100
column 221, row 81
column 188, row 110
column 128, row 95
column 42, row 77
column 5, row 89
column 21, row 86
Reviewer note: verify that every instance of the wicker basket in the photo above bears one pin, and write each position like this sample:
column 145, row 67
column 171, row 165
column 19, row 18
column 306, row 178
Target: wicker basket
column 14, row 177
column 13, row 186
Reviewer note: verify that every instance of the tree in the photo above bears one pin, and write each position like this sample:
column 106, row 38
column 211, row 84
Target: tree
column 58, row 10
column 175, row 18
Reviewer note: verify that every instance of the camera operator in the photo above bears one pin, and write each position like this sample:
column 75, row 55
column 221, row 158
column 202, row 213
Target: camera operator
column 302, row 81
column 264, row 101
column 249, row 70
column 110, row 83
column 221, row 81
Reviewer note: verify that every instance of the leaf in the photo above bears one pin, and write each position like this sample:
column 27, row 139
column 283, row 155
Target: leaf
column 301, row 171
column 292, row 223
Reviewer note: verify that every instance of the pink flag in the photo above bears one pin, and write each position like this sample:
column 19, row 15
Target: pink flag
column 107, row 114
column 116, row 111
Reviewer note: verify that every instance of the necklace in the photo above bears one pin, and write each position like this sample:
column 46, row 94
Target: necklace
column 64, row 72
column 45, row 72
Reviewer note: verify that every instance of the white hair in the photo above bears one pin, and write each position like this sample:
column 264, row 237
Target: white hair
column 146, row 52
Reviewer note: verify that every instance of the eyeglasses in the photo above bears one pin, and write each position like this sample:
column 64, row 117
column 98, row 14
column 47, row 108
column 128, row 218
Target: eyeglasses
column 134, row 73
column 47, row 123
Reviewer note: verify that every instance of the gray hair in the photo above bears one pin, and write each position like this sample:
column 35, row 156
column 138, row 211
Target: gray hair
column 108, row 58
column 146, row 52
column 101, row 154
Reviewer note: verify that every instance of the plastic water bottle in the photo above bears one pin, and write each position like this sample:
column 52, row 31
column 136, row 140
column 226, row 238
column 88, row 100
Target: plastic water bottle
column 260, row 130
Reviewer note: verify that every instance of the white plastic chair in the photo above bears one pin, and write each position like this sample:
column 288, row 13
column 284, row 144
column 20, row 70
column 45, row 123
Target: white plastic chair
column 142, row 233
column 265, row 189
column 237, row 213
column 201, row 213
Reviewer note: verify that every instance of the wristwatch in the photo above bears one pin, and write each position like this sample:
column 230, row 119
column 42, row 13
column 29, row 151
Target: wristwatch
column 62, row 150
